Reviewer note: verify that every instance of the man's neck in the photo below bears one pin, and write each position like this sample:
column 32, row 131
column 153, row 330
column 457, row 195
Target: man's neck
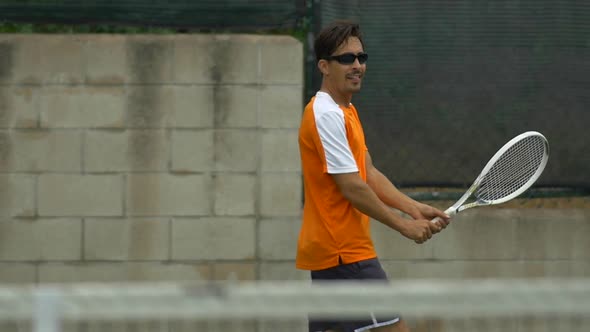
column 341, row 100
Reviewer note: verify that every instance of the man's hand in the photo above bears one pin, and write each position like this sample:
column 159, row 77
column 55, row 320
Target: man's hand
column 428, row 212
column 420, row 230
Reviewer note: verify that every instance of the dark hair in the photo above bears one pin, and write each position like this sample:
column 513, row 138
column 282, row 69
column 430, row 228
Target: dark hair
column 333, row 35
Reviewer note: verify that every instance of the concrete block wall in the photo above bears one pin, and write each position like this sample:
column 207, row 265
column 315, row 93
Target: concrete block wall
column 148, row 157
column 175, row 158
column 495, row 243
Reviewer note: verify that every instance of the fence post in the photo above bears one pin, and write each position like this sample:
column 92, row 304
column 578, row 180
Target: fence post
column 47, row 307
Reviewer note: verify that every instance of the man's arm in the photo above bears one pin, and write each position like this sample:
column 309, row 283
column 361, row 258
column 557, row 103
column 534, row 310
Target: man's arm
column 388, row 193
column 364, row 199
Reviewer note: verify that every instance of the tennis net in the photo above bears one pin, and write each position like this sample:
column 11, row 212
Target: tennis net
column 426, row 305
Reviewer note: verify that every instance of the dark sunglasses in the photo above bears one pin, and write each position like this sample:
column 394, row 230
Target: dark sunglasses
column 348, row 58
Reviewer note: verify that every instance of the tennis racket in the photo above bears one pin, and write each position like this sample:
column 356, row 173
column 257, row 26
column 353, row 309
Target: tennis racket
column 510, row 172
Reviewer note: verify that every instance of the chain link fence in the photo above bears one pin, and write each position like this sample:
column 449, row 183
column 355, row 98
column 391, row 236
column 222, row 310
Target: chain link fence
column 449, row 82
column 184, row 14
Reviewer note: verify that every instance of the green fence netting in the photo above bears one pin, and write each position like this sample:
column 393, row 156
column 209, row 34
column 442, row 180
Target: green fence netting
column 449, row 82
column 204, row 14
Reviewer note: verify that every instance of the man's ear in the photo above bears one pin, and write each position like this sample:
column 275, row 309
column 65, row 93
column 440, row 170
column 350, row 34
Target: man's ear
column 323, row 67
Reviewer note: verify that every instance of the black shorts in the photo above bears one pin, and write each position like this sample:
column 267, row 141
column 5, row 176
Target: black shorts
column 369, row 269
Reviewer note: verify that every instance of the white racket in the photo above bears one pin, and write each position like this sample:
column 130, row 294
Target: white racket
column 510, row 172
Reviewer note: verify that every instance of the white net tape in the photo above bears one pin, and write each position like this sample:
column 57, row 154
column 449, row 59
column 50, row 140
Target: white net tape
column 520, row 305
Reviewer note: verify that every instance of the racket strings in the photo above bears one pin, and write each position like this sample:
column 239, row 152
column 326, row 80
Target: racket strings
column 513, row 169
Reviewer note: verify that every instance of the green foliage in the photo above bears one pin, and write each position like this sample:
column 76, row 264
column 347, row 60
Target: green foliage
column 299, row 34
column 9, row 27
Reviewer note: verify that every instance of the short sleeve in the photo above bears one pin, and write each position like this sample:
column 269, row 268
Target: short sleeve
column 332, row 132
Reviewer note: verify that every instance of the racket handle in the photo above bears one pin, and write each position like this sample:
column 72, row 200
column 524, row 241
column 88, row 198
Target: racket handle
column 435, row 220
column 450, row 212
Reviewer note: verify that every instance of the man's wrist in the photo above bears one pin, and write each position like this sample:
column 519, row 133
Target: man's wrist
column 414, row 210
column 398, row 222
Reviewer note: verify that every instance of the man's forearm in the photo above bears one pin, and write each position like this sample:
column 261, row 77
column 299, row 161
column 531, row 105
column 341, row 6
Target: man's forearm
column 364, row 199
column 389, row 194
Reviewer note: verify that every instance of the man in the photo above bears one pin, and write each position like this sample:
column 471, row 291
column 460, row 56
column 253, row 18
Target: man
column 342, row 187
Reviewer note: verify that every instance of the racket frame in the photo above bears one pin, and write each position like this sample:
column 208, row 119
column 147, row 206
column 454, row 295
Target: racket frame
column 458, row 206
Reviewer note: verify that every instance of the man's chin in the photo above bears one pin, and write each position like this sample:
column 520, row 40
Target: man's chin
column 355, row 88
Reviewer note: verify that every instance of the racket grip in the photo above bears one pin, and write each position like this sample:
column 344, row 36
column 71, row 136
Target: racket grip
column 450, row 212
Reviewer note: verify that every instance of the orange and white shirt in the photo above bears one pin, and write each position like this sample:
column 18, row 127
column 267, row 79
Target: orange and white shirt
column 331, row 141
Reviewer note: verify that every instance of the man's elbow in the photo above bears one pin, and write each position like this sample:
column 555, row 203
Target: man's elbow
column 351, row 185
column 352, row 191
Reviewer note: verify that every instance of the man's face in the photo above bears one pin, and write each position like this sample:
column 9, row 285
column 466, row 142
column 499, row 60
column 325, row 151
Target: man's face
column 346, row 78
